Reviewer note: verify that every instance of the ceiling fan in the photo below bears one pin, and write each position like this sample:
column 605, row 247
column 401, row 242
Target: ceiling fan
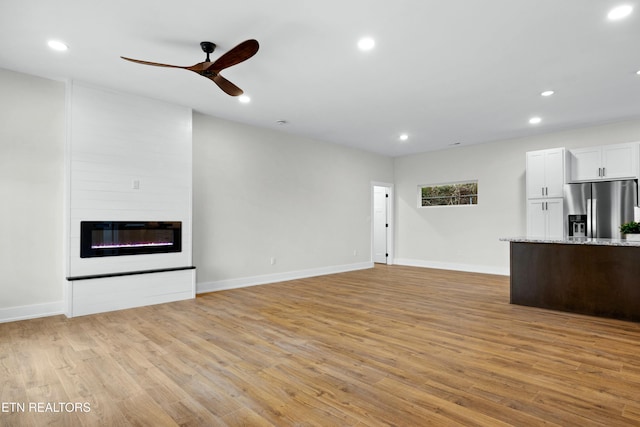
column 211, row 70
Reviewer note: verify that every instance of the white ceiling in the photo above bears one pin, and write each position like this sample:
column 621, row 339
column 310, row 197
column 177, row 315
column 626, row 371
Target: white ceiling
column 443, row 71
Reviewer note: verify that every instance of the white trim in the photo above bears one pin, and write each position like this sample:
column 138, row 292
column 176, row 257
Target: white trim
column 472, row 268
column 66, row 214
column 13, row 314
column 243, row 282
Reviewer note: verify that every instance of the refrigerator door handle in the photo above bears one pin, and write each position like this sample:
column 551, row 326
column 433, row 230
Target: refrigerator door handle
column 589, row 234
column 594, row 218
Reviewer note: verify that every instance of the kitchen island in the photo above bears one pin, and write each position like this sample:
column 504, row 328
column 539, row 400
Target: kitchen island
column 599, row 277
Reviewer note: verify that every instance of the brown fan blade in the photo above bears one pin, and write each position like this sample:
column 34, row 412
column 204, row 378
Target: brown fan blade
column 200, row 68
column 156, row 64
column 203, row 69
column 211, row 70
column 224, row 84
column 242, row 52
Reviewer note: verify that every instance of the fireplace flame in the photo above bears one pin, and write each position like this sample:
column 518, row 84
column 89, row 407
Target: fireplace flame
column 130, row 245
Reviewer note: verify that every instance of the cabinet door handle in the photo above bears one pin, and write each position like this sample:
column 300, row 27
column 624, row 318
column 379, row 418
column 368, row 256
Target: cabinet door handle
column 599, row 171
column 546, row 191
column 603, row 174
column 542, row 188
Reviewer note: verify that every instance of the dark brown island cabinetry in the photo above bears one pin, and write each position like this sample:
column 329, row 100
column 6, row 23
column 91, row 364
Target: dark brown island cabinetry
column 599, row 277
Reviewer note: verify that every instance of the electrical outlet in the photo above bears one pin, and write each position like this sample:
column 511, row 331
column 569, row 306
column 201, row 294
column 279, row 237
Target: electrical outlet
column 355, row 252
column 273, row 261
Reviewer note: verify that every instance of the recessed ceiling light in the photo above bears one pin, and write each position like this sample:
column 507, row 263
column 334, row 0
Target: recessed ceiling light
column 244, row 99
column 282, row 122
column 638, row 72
column 57, row 45
column 547, row 93
column 535, row 120
column 620, row 12
column 366, row 43
column 404, row 137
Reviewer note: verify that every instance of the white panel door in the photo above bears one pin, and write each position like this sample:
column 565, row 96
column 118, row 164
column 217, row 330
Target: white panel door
column 554, row 172
column 619, row 161
column 586, row 164
column 380, row 201
column 536, row 219
column 535, row 174
column 555, row 218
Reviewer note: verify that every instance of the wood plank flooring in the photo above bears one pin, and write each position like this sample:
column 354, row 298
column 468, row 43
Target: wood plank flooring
column 389, row 346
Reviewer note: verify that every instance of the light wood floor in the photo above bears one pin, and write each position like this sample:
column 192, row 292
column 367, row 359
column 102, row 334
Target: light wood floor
column 388, row 346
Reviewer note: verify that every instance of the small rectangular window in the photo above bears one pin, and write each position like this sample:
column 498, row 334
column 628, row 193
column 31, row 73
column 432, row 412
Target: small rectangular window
column 451, row 194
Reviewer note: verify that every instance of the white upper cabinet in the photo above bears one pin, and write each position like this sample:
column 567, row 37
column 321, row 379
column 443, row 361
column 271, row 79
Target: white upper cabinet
column 620, row 161
column 545, row 173
column 606, row 162
column 586, row 164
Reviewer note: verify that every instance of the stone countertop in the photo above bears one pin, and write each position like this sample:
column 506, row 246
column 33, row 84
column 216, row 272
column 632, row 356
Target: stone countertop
column 574, row 241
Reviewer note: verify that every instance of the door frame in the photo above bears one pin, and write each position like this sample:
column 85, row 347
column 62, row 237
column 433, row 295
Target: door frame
column 390, row 220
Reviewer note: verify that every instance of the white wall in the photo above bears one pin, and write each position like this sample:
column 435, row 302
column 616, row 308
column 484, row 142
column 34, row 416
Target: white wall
column 32, row 124
column 262, row 194
column 114, row 140
column 466, row 237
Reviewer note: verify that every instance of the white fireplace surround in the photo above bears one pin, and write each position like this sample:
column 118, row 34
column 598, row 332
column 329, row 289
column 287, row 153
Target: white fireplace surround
column 128, row 158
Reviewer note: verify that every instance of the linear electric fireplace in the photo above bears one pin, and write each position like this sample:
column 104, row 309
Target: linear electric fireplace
column 114, row 238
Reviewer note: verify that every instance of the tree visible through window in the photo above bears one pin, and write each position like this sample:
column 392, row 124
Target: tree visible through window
column 462, row 193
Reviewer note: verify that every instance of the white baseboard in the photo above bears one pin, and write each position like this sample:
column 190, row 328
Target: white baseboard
column 243, row 282
column 472, row 268
column 13, row 314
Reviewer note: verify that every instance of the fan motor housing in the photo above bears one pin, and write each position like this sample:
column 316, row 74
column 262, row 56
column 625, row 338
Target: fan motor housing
column 208, row 47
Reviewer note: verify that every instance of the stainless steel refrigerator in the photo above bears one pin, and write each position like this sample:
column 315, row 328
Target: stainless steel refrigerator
column 597, row 209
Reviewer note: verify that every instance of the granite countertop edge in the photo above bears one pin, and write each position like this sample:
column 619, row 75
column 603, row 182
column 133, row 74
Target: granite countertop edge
column 573, row 241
